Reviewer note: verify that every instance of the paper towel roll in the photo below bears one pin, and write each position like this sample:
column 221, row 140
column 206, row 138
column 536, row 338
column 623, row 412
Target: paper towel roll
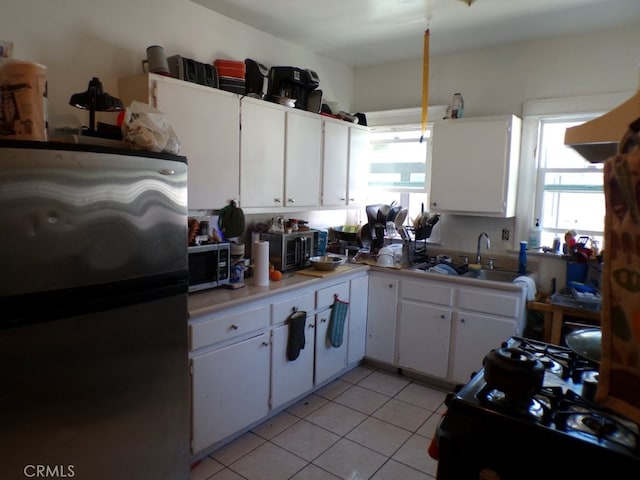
column 261, row 263
column 23, row 110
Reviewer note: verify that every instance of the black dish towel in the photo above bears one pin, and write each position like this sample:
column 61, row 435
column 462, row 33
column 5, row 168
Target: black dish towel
column 296, row 340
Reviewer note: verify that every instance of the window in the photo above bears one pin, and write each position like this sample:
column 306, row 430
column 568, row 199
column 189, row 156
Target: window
column 570, row 194
column 398, row 168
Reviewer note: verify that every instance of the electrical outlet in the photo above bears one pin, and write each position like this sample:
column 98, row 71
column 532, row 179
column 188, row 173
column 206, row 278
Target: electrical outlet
column 505, row 234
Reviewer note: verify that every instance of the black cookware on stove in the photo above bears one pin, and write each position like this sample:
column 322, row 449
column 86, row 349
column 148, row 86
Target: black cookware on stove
column 515, row 372
column 486, row 432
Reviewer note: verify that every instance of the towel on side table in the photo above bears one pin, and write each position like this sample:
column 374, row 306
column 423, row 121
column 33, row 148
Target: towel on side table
column 529, row 285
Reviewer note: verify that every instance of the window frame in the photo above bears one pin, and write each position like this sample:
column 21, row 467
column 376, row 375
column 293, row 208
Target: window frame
column 533, row 111
column 543, row 170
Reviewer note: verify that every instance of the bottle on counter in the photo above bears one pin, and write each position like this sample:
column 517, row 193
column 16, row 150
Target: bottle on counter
column 522, row 258
column 536, row 236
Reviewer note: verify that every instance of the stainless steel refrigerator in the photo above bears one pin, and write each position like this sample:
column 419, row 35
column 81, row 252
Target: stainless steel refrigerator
column 94, row 379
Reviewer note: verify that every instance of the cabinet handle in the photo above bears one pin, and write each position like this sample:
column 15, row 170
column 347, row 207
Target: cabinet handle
column 343, row 199
column 462, row 320
column 352, row 199
column 234, row 327
column 391, row 285
column 311, row 325
column 323, row 320
column 442, row 316
column 291, row 200
column 277, row 200
column 265, row 344
column 435, row 204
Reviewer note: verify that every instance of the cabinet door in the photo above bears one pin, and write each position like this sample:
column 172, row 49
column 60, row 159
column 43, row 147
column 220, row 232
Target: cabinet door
column 423, row 333
column 330, row 360
column 335, row 156
column 206, row 123
column 303, row 159
column 358, row 295
column 262, row 154
column 230, row 390
column 381, row 319
column 474, row 336
column 359, row 148
column 290, row 379
column 479, row 157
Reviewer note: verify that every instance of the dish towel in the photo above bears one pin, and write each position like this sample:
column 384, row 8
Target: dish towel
column 295, row 343
column 529, row 285
column 338, row 316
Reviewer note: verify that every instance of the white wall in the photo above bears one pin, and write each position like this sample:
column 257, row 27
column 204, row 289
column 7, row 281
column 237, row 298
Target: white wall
column 80, row 39
column 497, row 80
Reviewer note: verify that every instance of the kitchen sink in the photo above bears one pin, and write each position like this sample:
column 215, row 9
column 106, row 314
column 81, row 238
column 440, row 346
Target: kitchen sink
column 492, row 275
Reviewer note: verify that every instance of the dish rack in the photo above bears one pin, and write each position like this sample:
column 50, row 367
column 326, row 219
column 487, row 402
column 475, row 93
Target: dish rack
column 420, row 236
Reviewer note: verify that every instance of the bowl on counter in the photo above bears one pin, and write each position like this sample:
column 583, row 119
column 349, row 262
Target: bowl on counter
column 327, row 262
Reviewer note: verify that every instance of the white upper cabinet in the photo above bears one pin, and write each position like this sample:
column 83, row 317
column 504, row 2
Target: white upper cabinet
column 303, row 159
column 261, row 154
column 335, row 156
column 345, row 156
column 475, row 166
column 359, row 148
column 280, row 156
column 206, row 122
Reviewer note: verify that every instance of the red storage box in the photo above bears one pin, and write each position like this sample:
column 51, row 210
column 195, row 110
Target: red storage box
column 230, row 68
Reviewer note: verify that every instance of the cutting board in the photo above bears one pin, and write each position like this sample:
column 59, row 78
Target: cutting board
column 312, row 272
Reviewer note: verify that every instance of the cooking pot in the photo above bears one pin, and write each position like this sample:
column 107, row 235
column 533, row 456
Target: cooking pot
column 372, row 213
column 515, row 372
column 586, row 342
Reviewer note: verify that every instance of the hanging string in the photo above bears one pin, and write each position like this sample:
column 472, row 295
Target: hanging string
column 425, row 83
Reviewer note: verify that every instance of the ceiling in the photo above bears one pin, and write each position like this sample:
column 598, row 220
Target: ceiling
column 369, row 32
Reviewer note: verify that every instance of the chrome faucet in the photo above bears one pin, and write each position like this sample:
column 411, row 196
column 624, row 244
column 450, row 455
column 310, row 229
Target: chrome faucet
column 488, row 245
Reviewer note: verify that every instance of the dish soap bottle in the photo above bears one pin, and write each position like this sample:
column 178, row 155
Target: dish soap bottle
column 522, row 259
column 536, row 234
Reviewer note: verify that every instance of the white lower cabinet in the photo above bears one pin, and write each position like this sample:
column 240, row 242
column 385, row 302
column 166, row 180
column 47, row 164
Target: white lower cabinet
column 423, row 338
column 329, row 359
column 439, row 328
column 381, row 318
column 474, row 335
column 290, row 379
column 358, row 296
column 424, row 327
column 230, row 389
column 484, row 320
column 240, row 370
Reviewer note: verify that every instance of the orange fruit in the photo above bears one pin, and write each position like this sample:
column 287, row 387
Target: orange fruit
column 275, row 275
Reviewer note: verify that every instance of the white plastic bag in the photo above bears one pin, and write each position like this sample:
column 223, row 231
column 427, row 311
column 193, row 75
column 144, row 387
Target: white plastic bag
column 146, row 128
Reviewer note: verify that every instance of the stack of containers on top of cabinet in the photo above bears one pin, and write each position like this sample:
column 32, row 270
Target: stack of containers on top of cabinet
column 231, row 75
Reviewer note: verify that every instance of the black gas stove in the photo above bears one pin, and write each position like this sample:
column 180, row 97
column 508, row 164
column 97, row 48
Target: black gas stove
column 530, row 414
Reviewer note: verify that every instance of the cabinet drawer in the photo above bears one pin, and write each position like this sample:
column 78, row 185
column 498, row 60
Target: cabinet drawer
column 489, row 302
column 325, row 296
column 281, row 310
column 226, row 327
column 427, row 292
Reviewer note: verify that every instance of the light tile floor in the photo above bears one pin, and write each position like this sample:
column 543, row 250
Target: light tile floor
column 368, row 424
